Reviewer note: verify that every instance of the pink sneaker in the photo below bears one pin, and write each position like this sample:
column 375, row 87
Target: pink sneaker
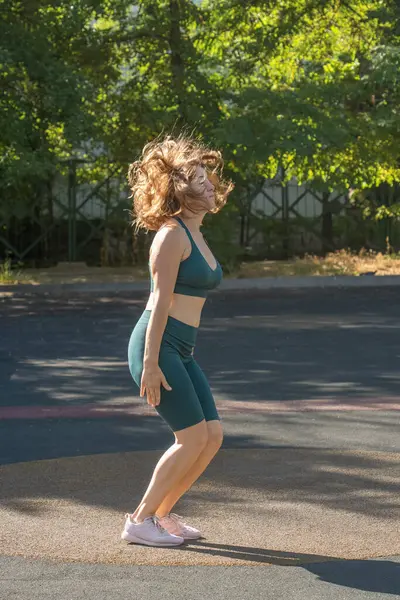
column 175, row 525
column 149, row 533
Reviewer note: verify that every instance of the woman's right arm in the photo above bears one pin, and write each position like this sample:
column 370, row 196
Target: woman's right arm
column 167, row 251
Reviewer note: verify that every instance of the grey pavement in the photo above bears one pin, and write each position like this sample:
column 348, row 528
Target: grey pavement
column 351, row 580
column 257, row 347
column 260, row 347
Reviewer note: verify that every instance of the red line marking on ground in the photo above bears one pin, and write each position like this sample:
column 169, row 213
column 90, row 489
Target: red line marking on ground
column 95, row 411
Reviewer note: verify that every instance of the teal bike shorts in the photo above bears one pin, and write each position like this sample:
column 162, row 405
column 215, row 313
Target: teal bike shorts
column 190, row 400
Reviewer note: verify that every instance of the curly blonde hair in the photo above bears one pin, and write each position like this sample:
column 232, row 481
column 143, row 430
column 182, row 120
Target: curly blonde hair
column 161, row 180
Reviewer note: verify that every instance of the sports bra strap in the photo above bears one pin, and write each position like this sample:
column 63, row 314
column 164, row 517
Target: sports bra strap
column 186, row 229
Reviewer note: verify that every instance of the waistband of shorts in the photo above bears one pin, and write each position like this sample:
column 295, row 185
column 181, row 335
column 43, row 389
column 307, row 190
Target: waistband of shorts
column 182, row 330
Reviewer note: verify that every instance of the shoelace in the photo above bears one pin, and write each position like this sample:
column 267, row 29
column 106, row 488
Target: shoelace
column 176, row 517
column 158, row 525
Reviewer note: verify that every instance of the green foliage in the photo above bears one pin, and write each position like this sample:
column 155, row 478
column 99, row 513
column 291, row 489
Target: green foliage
column 222, row 234
column 308, row 88
column 8, row 274
column 379, row 203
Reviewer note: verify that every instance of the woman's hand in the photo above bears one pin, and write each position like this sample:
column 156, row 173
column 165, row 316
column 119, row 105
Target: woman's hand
column 152, row 379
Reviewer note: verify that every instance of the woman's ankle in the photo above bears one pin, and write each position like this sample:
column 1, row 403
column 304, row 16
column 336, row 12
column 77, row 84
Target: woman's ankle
column 160, row 514
column 140, row 515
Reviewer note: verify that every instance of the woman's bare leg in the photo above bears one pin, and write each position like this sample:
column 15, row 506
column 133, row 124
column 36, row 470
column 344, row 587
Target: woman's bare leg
column 215, row 437
column 172, row 466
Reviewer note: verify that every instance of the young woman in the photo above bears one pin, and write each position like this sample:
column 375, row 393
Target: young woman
column 174, row 184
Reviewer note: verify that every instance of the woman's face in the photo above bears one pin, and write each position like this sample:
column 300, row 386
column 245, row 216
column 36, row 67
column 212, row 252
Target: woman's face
column 202, row 185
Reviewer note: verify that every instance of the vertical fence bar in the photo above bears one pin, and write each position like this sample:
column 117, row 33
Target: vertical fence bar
column 72, row 211
column 285, row 218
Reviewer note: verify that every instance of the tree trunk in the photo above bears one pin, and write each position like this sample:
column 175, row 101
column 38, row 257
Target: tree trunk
column 177, row 60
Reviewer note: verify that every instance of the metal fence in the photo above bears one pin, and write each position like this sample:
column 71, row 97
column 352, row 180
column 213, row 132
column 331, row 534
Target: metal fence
column 287, row 220
column 77, row 220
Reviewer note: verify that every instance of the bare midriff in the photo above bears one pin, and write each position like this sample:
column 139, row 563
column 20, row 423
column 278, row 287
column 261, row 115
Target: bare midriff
column 184, row 308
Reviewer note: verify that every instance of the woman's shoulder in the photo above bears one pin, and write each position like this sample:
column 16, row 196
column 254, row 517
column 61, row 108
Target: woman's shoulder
column 169, row 229
column 170, row 223
column 170, row 234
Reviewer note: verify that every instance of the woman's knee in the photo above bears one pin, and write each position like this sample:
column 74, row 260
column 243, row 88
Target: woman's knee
column 215, row 433
column 194, row 437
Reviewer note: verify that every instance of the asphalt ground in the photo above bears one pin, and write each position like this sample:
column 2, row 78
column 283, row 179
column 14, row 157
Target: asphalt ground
column 306, row 382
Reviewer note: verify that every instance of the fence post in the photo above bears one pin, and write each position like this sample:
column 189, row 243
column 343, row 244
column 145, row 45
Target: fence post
column 71, row 210
column 285, row 219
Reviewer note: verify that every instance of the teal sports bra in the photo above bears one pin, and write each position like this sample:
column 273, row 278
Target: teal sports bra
column 195, row 276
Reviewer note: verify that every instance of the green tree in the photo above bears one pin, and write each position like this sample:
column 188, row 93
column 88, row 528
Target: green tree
column 309, row 87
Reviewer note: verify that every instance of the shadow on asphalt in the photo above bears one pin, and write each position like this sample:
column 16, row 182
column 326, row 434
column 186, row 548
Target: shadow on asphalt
column 360, row 484
column 379, row 576
column 57, row 351
column 261, row 346
column 258, row 345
